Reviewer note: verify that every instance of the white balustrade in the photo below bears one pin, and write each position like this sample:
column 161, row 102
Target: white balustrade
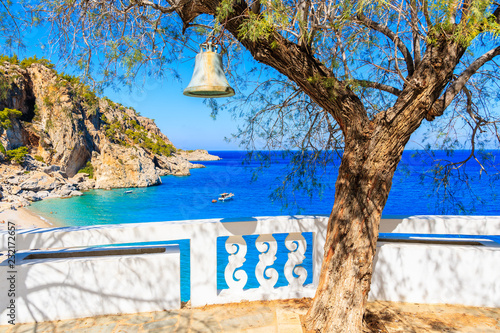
column 236, row 278
column 297, row 245
column 203, row 236
column 267, row 246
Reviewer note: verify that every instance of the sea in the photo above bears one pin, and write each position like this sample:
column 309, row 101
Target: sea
column 418, row 188
column 415, row 191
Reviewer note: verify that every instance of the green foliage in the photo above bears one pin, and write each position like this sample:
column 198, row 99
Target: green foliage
column 48, row 101
column 140, row 136
column 88, row 95
column 25, row 63
column 37, row 117
column 6, row 116
column 87, row 169
column 2, row 149
column 113, row 131
column 5, row 84
column 13, row 60
column 39, row 158
column 17, row 154
column 134, row 132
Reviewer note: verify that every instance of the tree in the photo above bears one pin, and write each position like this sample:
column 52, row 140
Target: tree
column 13, row 22
column 362, row 74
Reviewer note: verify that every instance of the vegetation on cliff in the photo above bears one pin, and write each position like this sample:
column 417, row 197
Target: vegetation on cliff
column 17, row 155
column 6, row 116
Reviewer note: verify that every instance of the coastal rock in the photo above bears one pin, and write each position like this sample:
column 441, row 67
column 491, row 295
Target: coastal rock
column 64, row 193
column 197, row 155
column 31, row 196
column 15, row 190
column 197, row 166
column 51, row 168
column 118, row 166
column 40, row 181
column 174, row 165
column 86, row 185
column 59, row 119
column 66, row 128
column 43, row 194
column 13, row 180
column 79, row 178
column 30, row 185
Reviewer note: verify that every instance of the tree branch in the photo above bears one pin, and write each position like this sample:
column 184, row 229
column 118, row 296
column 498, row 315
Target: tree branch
column 291, row 60
column 444, row 101
column 416, row 37
column 379, row 86
column 392, row 36
column 496, row 14
column 146, row 3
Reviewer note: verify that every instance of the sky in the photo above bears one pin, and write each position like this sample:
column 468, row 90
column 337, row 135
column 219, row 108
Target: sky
column 185, row 120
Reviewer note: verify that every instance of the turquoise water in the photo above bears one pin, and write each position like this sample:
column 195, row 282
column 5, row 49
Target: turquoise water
column 183, row 198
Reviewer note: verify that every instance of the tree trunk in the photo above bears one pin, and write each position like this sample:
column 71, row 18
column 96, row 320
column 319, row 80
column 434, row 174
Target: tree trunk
column 362, row 188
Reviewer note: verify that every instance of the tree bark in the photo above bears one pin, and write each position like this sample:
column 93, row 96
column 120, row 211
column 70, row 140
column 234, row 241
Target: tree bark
column 362, row 188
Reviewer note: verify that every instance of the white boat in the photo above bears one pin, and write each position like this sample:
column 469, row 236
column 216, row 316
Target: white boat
column 129, row 191
column 226, row 196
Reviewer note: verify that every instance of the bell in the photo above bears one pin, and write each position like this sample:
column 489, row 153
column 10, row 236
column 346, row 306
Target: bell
column 208, row 79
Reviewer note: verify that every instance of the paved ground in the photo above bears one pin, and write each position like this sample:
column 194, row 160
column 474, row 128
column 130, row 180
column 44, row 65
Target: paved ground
column 277, row 316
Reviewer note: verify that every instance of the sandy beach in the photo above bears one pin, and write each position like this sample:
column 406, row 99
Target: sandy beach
column 23, row 219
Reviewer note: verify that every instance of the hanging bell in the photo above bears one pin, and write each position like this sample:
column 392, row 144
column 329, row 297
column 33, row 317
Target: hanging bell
column 208, row 79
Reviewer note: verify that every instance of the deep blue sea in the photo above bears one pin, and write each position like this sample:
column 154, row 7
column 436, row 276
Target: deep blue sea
column 414, row 191
column 181, row 198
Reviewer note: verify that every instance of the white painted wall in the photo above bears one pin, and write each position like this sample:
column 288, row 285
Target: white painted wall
column 422, row 273
column 53, row 289
column 458, row 225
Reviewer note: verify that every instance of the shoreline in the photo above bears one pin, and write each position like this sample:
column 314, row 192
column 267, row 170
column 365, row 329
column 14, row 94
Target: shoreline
column 24, row 219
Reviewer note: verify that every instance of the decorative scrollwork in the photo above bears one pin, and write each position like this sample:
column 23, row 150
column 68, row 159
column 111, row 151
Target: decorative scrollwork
column 297, row 245
column 267, row 246
column 237, row 248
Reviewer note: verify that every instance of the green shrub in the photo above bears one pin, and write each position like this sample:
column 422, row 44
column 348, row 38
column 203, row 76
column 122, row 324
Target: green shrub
column 17, row 154
column 25, row 63
column 48, row 102
column 88, row 169
column 39, row 158
column 6, row 116
column 13, row 60
column 5, row 85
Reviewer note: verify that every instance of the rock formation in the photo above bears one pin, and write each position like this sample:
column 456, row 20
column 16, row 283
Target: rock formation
column 66, row 128
column 197, row 155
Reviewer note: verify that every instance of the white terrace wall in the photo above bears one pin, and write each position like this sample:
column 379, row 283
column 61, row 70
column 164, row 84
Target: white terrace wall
column 449, row 224
column 63, row 288
column 418, row 273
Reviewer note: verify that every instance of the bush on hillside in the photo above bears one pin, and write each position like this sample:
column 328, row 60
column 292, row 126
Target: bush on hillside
column 6, row 116
column 88, row 169
column 17, row 154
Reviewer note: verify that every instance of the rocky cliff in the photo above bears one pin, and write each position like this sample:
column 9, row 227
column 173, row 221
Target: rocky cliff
column 52, row 126
column 197, row 155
